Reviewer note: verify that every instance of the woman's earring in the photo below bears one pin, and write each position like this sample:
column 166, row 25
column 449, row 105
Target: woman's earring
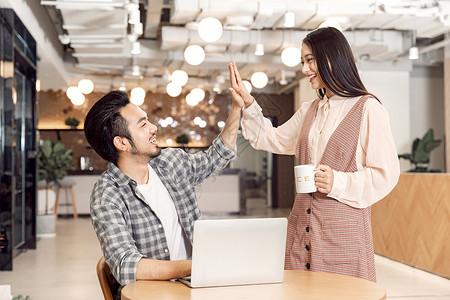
column 322, row 92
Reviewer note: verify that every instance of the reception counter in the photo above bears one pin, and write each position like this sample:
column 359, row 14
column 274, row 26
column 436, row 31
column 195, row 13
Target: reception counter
column 221, row 193
column 412, row 224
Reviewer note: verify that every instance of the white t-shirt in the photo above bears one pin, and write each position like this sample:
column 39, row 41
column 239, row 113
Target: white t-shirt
column 159, row 200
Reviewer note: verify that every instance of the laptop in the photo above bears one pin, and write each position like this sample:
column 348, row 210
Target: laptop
column 237, row 252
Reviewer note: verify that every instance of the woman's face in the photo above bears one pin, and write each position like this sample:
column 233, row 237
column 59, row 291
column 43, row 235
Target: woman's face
column 309, row 68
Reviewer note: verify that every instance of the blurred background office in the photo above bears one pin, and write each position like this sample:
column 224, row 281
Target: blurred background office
column 57, row 57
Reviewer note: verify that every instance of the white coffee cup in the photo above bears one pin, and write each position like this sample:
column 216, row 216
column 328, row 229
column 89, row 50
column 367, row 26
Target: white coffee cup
column 304, row 179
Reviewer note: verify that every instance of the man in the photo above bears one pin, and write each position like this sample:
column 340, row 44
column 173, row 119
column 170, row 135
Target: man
column 144, row 206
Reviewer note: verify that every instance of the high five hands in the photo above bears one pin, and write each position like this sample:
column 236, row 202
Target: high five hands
column 241, row 97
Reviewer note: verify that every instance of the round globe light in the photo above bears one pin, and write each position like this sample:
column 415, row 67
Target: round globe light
column 137, row 96
column 194, row 55
column 179, row 77
column 259, row 80
column 173, row 89
column 291, row 56
column 198, row 94
column 210, row 29
column 78, row 99
column 86, row 86
column 190, row 100
column 202, row 124
column 248, row 85
column 164, row 123
column 221, row 124
column 72, row 91
column 197, row 120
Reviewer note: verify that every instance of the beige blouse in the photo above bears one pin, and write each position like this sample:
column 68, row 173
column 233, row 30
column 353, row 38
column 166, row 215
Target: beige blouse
column 376, row 155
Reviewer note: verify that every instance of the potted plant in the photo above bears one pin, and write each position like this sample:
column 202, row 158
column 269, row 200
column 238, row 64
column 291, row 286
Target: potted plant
column 72, row 122
column 420, row 152
column 53, row 162
column 182, row 139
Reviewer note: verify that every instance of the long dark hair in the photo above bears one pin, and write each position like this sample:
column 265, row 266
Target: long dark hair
column 330, row 48
column 104, row 122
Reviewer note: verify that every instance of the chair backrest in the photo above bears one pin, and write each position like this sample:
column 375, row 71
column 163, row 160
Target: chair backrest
column 105, row 278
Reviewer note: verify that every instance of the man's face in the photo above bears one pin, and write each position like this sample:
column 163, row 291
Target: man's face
column 143, row 133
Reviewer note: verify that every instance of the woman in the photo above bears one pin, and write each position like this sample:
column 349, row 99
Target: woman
column 345, row 133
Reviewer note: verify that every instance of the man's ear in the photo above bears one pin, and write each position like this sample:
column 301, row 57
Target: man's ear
column 120, row 143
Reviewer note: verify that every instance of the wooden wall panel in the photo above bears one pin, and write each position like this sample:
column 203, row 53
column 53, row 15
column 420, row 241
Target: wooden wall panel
column 412, row 224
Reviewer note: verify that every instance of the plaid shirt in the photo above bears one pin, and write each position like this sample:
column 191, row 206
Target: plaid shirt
column 126, row 226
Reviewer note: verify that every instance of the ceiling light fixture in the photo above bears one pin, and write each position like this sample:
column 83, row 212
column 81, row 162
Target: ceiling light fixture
column 283, row 80
column 64, row 39
column 135, row 71
column 259, row 49
column 248, row 85
column 122, row 87
column 291, row 56
column 78, row 100
column 210, row 29
column 197, row 120
column 198, row 94
column 137, row 29
column 75, row 95
column 137, row 96
column 413, row 53
column 136, row 48
column 289, row 19
column 194, row 55
column 179, row 77
column 173, row 89
column 72, row 91
column 259, row 80
column 134, row 16
column 190, row 100
column 86, row 86
column 217, row 88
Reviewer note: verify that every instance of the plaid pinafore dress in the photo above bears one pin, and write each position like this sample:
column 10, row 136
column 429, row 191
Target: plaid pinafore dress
column 324, row 234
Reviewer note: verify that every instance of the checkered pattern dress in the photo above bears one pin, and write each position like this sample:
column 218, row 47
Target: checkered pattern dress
column 324, row 234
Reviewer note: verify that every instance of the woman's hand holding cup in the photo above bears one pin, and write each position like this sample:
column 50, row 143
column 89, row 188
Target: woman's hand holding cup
column 324, row 179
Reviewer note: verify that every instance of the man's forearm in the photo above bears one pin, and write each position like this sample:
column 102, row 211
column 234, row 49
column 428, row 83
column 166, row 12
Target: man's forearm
column 153, row 269
column 231, row 128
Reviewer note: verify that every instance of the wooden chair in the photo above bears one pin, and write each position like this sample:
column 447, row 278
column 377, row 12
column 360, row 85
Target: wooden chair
column 105, row 278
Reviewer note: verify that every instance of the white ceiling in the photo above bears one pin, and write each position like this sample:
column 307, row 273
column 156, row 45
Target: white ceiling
column 99, row 36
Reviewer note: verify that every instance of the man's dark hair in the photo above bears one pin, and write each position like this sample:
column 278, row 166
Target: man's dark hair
column 104, row 122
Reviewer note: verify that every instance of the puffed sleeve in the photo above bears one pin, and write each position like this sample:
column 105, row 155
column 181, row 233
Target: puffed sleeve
column 261, row 134
column 380, row 165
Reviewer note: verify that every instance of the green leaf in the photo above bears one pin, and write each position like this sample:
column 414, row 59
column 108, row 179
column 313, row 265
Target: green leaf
column 46, row 148
column 53, row 161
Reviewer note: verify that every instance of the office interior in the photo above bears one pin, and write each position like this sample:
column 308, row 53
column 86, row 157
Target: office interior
column 50, row 48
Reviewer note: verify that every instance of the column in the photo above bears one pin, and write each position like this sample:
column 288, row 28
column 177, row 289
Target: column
column 447, row 103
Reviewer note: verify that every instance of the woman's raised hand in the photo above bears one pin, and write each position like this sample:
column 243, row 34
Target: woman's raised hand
column 241, row 97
